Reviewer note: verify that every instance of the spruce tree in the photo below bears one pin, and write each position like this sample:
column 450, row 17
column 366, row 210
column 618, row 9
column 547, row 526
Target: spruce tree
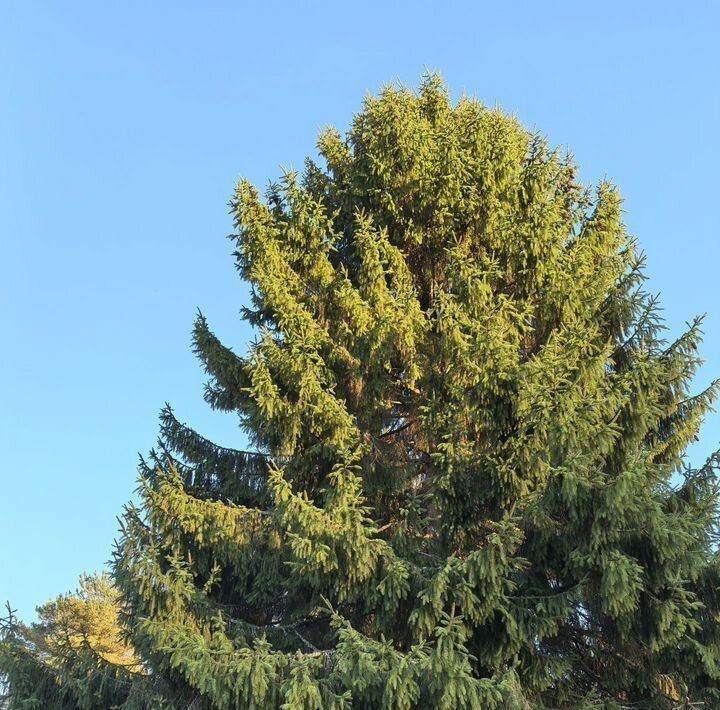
column 466, row 486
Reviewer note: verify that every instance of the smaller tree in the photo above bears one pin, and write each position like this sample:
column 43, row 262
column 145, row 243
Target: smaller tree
column 86, row 620
column 75, row 656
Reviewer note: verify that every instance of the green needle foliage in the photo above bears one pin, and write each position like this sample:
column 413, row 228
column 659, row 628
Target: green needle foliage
column 74, row 657
column 466, row 487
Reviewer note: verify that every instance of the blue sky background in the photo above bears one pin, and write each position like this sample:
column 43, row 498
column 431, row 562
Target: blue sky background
column 124, row 126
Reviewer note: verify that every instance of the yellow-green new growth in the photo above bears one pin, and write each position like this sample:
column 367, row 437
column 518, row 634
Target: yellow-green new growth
column 465, row 487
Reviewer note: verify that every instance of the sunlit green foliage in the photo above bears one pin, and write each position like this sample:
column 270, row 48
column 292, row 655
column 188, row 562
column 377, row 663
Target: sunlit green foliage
column 466, row 424
column 75, row 656
column 466, row 486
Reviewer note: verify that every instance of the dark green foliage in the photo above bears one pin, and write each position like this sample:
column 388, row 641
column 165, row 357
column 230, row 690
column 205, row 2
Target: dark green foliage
column 467, row 487
column 74, row 657
column 467, row 425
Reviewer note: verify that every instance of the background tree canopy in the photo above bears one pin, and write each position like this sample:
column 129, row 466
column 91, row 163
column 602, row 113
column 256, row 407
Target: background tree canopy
column 75, row 656
column 466, row 486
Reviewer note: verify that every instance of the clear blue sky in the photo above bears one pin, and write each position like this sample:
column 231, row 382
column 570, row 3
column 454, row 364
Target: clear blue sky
column 124, row 126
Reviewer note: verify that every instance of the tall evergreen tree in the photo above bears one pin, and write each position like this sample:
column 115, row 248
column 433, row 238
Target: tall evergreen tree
column 466, row 487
